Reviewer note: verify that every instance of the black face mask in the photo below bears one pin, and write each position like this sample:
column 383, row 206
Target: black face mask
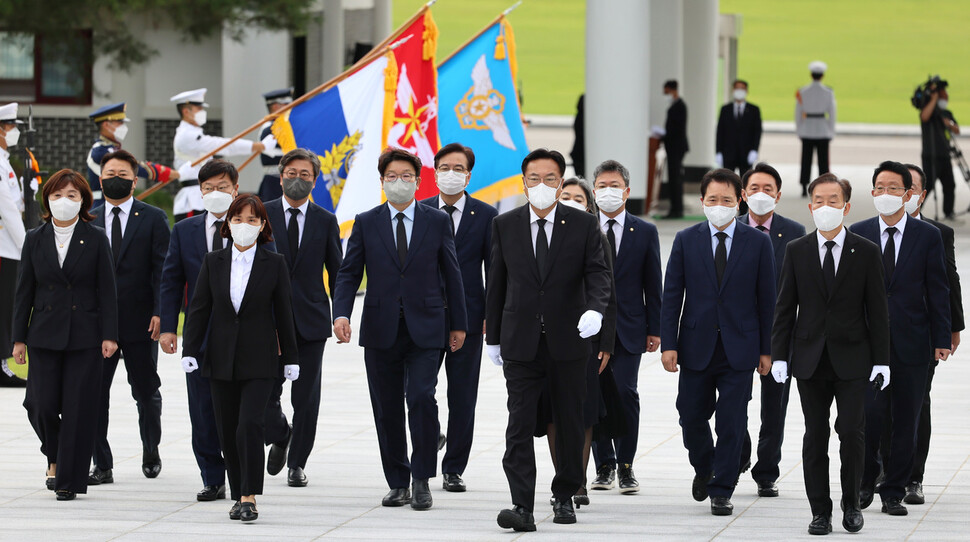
column 116, row 187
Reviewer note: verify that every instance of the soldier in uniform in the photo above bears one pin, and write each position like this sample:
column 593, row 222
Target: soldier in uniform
column 112, row 123
column 11, row 233
column 191, row 144
column 815, row 122
column 271, row 188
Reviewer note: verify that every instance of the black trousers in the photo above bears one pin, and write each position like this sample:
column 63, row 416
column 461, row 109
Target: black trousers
column 205, row 436
column 240, row 408
column 675, row 182
column 565, row 382
column 63, row 390
column 810, row 146
column 141, row 363
column 923, row 431
column 305, row 398
column 622, row 450
column 8, row 287
column 940, row 167
column 404, row 370
column 462, row 369
column 774, row 410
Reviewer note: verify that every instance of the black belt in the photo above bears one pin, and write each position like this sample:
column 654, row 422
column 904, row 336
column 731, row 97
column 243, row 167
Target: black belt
column 815, row 115
column 189, row 182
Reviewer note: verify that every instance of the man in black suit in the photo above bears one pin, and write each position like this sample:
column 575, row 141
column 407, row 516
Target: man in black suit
column 471, row 221
column 414, row 306
column 914, row 490
column 832, row 328
column 138, row 235
column 311, row 244
column 738, row 132
column 548, row 272
column 762, row 191
column 675, row 143
column 919, row 317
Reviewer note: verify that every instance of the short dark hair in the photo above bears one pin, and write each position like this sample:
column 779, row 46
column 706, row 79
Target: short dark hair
column 545, row 154
column 61, row 179
column 818, row 77
column 612, row 166
column 301, row 154
column 742, row 81
column 898, row 169
column 919, row 171
column 122, row 155
column 455, row 147
column 831, row 178
column 217, row 167
column 721, row 175
column 761, row 167
column 590, row 202
column 394, row 155
column 237, row 206
column 671, row 84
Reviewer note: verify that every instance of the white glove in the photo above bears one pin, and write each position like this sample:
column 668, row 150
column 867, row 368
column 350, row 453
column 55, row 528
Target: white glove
column 719, row 159
column 657, row 131
column 272, row 147
column 779, row 370
column 494, row 352
column 291, row 372
column 880, row 370
column 752, row 157
column 189, row 364
column 589, row 324
column 189, row 173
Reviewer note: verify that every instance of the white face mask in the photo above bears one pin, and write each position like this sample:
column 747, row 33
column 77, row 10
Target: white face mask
column 542, row 196
column 827, row 218
column 244, row 234
column 13, row 136
column 217, row 202
column 121, row 132
column 942, row 102
column 740, row 94
column 887, row 204
column 912, row 204
column 200, row 117
column 64, row 209
column 451, row 182
column 761, row 203
column 668, row 99
column 574, row 204
column 609, row 199
column 720, row 215
column 399, row 191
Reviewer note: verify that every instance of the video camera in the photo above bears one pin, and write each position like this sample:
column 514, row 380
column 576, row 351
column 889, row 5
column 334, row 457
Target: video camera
column 921, row 96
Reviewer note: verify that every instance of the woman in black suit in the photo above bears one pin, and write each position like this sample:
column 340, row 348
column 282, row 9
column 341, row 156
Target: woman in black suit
column 241, row 307
column 66, row 312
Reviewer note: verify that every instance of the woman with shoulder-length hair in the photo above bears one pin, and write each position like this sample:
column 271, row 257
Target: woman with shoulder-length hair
column 66, row 314
column 241, row 308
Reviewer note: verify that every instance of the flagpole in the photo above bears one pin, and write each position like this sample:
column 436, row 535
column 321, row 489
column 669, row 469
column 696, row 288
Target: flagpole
column 482, row 31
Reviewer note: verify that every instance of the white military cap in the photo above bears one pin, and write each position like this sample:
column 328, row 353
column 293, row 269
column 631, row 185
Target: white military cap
column 9, row 113
column 196, row 96
column 818, row 67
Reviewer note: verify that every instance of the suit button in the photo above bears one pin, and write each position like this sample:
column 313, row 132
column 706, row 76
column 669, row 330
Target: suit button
column 68, row 286
column 50, row 287
column 48, row 308
column 402, row 275
column 718, row 330
column 73, row 307
column 542, row 292
column 237, row 320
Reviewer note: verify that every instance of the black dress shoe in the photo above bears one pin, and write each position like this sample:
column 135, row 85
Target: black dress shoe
column 397, row 497
column 421, row 495
column 248, row 512
column 442, row 440
column 914, row 494
column 295, row 477
column 820, row 524
column 517, row 519
column 744, row 468
column 767, row 488
column 628, row 482
column 453, row 483
column 865, row 498
column 234, row 511
column 563, row 509
column 605, row 475
column 211, row 493
column 65, row 495
column 721, row 506
column 893, row 507
column 852, row 520
column 151, row 464
column 100, row 476
column 699, row 488
column 50, row 482
column 581, row 498
column 276, row 457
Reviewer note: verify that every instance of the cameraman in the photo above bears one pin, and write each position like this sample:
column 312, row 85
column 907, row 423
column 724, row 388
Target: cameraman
column 938, row 126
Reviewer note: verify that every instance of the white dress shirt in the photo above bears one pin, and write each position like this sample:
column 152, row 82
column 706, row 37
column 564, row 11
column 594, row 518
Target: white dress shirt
column 836, row 250
column 12, row 230
column 729, row 230
column 210, row 228
column 109, row 217
column 897, row 237
column 408, row 220
column 534, row 226
column 617, row 228
column 300, row 217
column 62, row 240
column 459, row 209
column 242, row 267
column 739, row 109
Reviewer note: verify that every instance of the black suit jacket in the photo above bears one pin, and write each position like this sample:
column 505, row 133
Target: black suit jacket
column 518, row 301
column 737, row 137
column 242, row 346
column 70, row 307
column 675, row 140
column 953, row 277
column 852, row 322
column 138, row 272
column 319, row 249
column 783, row 231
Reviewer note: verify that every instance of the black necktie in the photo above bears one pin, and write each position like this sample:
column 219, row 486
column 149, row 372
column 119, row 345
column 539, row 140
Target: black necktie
column 402, row 239
column 450, row 209
column 761, row 228
column 889, row 254
column 116, row 233
column 217, row 236
column 610, row 236
column 542, row 247
column 828, row 267
column 720, row 255
column 293, row 235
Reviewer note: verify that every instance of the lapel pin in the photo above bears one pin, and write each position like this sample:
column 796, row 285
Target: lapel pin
column 563, row 221
column 852, row 250
column 82, row 241
column 779, row 235
column 136, row 214
column 472, row 212
column 631, row 229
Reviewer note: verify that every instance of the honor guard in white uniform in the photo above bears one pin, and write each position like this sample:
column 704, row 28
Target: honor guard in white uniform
column 12, row 232
column 112, row 123
column 270, row 188
column 815, row 122
column 191, row 144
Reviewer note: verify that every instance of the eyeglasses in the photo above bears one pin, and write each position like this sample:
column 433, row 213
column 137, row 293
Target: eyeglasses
column 406, row 177
column 221, row 188
column 457, row 169
column 551, row 180
column 894, row 190
column 303, row 175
